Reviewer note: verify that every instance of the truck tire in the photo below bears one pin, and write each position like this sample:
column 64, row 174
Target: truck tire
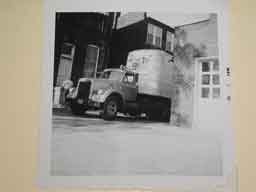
column 77, row 109
column 110, row 108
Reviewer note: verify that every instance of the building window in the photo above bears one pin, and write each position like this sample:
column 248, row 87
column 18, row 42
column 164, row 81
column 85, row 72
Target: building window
column 158, row 37
column 215, row 92
column 216, row 65
column 68, row 50
column 205, row 67
column 210, row 79
column 205, row 92
column 205, row 79
column 216, row 79
column 150, row 34
column 154, row 35
column 169, row 41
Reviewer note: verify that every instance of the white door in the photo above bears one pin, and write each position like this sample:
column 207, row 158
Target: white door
column 66, row 62
column 208, row 93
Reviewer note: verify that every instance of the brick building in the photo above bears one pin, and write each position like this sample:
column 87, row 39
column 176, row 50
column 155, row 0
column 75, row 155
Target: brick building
column 82, row 43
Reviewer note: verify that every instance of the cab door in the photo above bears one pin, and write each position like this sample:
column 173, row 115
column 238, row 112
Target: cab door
column 130, row 86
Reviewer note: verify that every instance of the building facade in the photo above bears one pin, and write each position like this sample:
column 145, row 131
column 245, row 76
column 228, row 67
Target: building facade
column 201, row 78
column 82, row 44
column 135, row 30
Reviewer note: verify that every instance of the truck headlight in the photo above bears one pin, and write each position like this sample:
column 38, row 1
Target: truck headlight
column 100, row 91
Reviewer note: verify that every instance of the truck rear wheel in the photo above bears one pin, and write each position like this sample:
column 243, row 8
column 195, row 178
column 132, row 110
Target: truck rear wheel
column 77, row 109
column 110, row 108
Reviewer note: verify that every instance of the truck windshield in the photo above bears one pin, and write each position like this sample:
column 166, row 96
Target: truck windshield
column 113, row 75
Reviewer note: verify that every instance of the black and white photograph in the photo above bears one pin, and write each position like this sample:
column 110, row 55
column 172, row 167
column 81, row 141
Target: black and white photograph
column 138, row 93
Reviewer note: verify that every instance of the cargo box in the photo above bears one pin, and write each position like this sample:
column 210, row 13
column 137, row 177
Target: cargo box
column 155, row 71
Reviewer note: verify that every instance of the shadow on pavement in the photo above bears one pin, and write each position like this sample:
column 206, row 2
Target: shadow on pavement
column 96, row 114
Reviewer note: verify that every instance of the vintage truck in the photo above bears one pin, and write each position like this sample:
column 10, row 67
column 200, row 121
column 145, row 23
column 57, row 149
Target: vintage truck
column 143, row 86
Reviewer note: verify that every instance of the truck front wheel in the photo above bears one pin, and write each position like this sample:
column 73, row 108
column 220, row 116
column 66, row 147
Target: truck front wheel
column 110, row 108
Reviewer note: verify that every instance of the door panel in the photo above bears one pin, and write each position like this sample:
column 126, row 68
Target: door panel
column 66, row 62
column 91, row 61
column 129, row 87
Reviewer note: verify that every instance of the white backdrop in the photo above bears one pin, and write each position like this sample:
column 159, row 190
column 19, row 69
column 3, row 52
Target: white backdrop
column 153, row 181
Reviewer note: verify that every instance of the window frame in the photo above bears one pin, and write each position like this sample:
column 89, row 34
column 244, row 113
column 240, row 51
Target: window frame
column 169, row 39
column 208, row 68
column 156, row 32
column 129, row 74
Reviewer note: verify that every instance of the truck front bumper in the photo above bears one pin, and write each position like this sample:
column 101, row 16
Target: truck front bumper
column 87, row 103
column 94, row 104
column 93, row 101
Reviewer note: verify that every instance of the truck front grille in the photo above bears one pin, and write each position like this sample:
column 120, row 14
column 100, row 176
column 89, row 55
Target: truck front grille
column 84, row 90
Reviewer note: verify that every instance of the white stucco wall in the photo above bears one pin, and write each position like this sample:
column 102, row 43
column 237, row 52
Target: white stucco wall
column 193, row 40
column 203, row 33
